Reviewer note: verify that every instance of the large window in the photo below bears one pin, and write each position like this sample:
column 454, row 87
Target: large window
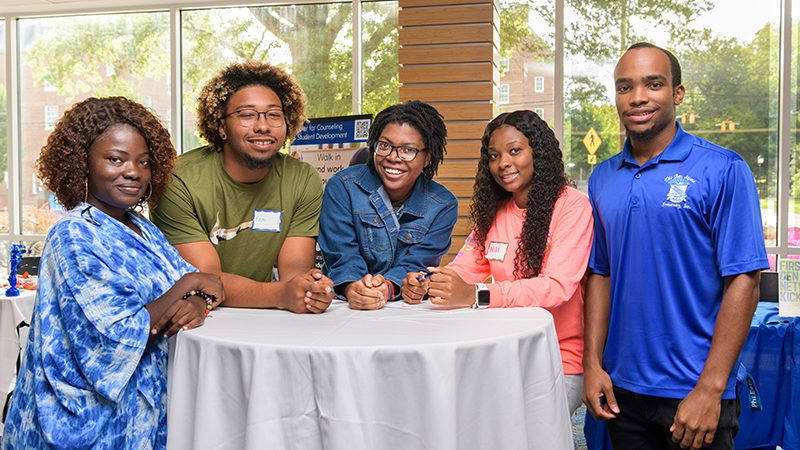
column 67, row 59
column 730, row 71
column 379, row 46
column 527, row 56
column 63, row 60
column 313, row 42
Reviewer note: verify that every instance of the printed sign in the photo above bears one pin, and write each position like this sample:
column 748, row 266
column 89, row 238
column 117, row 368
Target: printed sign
column 329, row 143
column 335, row 130
column 328, row 161
column 789, row 288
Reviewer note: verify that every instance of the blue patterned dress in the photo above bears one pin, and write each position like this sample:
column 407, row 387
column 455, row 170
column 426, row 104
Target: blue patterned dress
column 88, row 378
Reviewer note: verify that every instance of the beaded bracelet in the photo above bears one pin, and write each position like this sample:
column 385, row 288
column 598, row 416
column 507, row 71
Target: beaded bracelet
column 209, row 299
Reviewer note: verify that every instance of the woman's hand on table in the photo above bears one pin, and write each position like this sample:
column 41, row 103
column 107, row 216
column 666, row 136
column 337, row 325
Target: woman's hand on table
column 183, row 315
column 209, row 283
column 414, row 290
column 309, row 292
column 370, row 292
column 190, row 312
column 447, row 288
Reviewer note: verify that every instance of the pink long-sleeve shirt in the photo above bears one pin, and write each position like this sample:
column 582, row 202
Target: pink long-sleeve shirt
column 561, row 283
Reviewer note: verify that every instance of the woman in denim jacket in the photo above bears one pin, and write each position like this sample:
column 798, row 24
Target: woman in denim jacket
column 388, row 220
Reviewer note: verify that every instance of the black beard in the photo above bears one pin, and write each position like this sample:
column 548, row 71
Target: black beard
column 257, row 163
column 649, row 133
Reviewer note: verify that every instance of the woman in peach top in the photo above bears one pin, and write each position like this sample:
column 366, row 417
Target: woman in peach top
column 532, row 234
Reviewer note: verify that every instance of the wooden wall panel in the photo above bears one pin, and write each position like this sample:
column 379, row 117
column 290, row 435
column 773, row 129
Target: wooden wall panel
column 458, row 168
column 461, row 188
column 448, row 92
column 407, row 4
column 466, row 130
column 437, row 73
column 448, row 56
column 463, row 207
column 447, row 34
column 463, row 227
column 463, row 149
column 465, row 111
column 441, row 54
column 446, row 16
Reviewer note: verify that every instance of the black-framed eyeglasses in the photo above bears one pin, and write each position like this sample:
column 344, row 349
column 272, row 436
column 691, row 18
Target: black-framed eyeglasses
column 248, row 117
column 404, row 152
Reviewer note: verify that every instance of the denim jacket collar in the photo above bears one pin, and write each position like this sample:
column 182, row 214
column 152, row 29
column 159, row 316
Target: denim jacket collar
column 415, row 204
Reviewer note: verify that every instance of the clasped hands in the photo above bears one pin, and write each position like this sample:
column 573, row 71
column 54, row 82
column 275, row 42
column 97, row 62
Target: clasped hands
column 310, row 291
column 370, row 292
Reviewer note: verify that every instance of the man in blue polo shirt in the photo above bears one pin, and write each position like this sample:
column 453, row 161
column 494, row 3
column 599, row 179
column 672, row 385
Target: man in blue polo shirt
column 675, row 267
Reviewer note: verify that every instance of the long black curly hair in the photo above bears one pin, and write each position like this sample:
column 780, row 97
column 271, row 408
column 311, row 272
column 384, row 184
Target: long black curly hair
column 549, row 181
column 422, row 117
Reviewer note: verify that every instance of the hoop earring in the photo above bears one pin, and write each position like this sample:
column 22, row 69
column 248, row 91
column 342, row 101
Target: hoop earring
column 86, row 191
column 145, row 199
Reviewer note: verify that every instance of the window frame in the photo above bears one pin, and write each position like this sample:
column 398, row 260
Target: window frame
column 538, row 84
column 50, row 119
column 504, row 98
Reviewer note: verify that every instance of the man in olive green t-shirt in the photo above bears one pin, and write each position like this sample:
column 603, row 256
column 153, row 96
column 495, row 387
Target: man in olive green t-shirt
column 238, row 206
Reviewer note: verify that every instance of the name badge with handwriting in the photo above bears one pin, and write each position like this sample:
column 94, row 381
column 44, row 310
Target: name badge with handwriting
column 496, row 251
column 266, row 220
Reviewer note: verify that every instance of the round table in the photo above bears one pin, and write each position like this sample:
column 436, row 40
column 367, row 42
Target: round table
column 403, row 377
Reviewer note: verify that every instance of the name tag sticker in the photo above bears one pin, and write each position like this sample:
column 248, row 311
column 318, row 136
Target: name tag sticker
column 496, row 251
column 266, row 220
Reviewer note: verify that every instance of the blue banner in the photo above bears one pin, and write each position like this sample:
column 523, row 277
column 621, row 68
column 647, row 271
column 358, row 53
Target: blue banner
column 334, row 130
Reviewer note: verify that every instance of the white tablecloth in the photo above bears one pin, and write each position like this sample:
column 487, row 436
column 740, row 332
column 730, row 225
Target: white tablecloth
column 404, row 377
column 12, row 311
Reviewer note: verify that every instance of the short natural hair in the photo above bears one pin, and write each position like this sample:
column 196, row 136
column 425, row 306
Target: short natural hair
column 63, row 163
column 215, row 95
column 422, row 117
column 674, row 65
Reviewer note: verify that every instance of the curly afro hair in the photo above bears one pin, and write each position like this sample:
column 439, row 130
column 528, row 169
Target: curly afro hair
column 63, row 161
column 549, row 181
column 422, row 117
column 215, row 95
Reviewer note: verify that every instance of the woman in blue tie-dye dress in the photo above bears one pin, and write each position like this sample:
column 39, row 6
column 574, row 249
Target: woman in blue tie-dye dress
column 110, row 289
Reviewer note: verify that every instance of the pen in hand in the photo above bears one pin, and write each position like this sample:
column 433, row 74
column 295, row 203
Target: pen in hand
column 424, row 276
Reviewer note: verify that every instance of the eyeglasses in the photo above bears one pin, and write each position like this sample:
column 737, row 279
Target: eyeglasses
column 404, row 152
column 248, row 117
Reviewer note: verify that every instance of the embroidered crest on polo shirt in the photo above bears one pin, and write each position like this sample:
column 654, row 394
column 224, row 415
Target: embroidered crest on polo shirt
column 678, row 185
